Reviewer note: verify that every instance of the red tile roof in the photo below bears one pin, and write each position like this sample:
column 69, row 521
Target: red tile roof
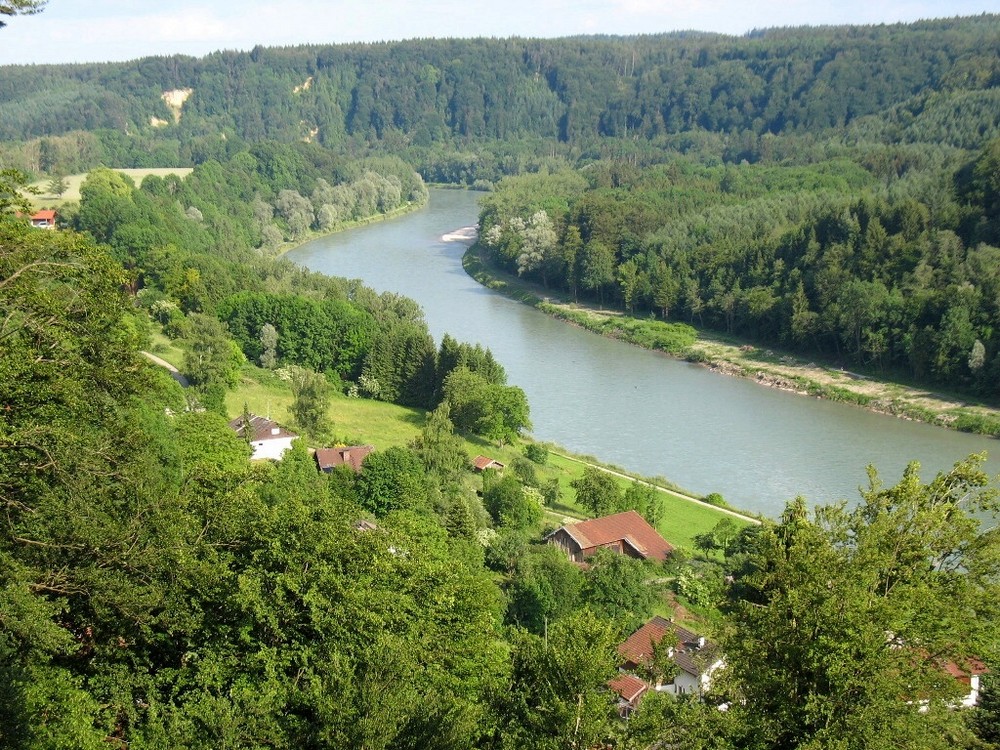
column 351, row 455
column 628, row 527
column 691, row 652
column 965, row 671
column 629, row 687
column 44, row 215
column 482, row 463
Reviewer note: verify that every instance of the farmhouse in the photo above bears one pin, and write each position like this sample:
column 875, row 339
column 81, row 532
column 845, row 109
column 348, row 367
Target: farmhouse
column 267, row 438
column 348, row 455
column 694, row 658
column 626, row 533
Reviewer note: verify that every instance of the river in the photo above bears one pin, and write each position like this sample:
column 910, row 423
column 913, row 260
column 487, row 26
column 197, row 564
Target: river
column 642, row 410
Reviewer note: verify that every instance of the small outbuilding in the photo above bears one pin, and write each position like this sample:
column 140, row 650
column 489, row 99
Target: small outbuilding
column 482, row 463
column 630, row 690
column 44, row 219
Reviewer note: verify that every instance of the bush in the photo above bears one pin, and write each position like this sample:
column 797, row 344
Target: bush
column 536, row 452
column 714, row 498
column 979, row 424
column 525, row 471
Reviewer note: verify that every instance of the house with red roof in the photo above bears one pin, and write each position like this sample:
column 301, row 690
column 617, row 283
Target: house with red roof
column 626, row 533
column 44, row 219
column 327, row 459
column 694, row 657
column 968, row 674
column 267, row 438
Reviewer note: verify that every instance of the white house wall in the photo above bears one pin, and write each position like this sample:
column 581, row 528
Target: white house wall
column 273, row 449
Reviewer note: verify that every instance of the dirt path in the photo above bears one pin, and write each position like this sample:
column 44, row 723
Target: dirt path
column 174, row 372
column 664, row 490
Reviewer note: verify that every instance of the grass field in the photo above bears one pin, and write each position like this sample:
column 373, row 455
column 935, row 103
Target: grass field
column 361, row 421
column 45, row 199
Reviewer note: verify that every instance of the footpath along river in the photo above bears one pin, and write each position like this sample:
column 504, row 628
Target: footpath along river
column 641, row 410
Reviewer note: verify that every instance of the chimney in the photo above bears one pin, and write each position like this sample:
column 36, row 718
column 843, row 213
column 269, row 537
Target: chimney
column 275, row 430
column 701, row 641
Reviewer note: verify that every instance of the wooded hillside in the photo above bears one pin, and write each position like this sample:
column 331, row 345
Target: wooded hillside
column 928, row 81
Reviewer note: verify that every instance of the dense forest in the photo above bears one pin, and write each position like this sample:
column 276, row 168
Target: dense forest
column 821, row 259
column 833, row 190
column 442, row 101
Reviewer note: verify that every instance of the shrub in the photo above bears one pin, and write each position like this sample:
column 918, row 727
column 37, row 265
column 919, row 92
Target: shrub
column 979, row 424
column 714, row 498
column 537, row 452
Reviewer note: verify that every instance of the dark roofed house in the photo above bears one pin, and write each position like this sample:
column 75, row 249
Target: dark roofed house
column 695, row 657
column 482, row 463
column 348, row 455
column 268, row 439
column 626, row 533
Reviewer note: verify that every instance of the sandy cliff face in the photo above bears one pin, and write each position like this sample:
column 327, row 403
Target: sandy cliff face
column 175, row 101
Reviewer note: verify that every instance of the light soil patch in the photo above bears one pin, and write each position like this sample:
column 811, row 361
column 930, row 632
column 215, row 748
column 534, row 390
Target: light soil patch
column 45, row 199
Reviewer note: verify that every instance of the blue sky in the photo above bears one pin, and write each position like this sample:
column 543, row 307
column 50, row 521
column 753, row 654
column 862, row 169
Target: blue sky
column 98, row 30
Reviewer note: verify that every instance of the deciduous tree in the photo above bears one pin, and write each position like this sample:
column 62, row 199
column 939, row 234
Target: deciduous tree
column 20, row 8
column 844, row 620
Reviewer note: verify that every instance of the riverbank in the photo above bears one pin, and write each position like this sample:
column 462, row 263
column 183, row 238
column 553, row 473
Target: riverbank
column 769, row 367
column 407, row 208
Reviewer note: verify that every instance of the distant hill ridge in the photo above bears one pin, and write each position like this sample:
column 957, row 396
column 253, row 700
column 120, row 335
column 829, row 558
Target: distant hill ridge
column 575, row 90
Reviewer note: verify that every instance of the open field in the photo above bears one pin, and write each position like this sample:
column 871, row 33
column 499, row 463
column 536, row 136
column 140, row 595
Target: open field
column 385, row 425
column 44, row 199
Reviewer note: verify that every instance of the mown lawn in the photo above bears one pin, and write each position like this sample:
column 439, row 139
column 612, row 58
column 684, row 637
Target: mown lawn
column 44, row 198
column 682, row 519
column 361, row 421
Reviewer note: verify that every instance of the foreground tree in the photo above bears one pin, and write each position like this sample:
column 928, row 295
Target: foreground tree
column 311, row 401
column 843, row 624
column 20, row 8
column 558, row 695
column 212, row 361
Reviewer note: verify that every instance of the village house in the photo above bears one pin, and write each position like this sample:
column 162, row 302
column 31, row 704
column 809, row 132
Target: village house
column 268, row 439
column 694, row 658
column 327, row 459
column 626, row 533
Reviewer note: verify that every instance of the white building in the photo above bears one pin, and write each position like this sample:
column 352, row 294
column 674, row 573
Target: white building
column 268, row 439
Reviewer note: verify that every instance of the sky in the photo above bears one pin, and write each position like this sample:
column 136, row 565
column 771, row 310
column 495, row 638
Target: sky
column 102, row 30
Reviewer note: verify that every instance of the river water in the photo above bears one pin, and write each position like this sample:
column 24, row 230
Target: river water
column 641, row 410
